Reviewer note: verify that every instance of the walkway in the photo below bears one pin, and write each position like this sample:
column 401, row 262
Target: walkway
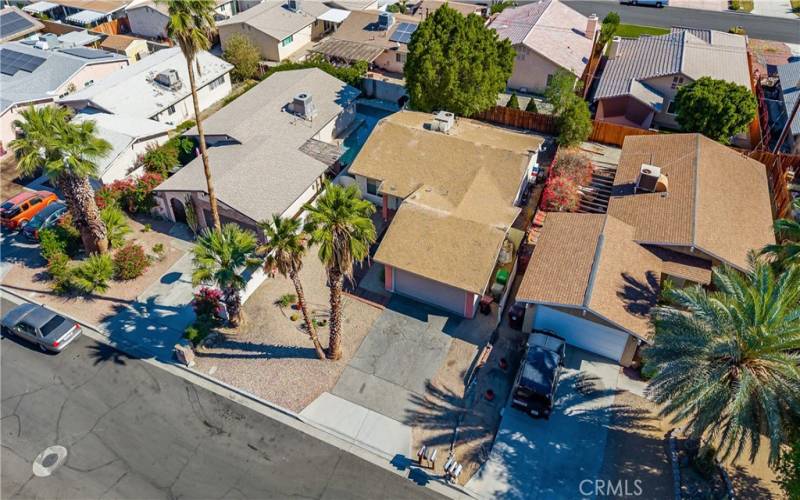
column 774, row 8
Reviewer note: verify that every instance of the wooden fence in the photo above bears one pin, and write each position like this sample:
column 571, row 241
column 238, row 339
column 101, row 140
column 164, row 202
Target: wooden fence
column 114, row 27
column 755, row 126
column 780, row 168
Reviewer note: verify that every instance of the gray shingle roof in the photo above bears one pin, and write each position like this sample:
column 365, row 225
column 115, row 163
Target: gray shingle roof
column 275, row 19
column 789, row 75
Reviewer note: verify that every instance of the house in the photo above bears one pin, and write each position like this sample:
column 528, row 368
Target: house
column 789, row 76
column 547, row 36
column 128, row 46
column 157, row 88
column 16, row 24
column 680, row 204
column 353, row 5
column 85, row 13
column 149, row 18
column 451, row 199
column 642, row 76
column 34, row 77
column 129, row 138
column 280, row 28
column 272, row 161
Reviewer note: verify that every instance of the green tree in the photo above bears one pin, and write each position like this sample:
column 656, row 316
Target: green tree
column 67, row 153
column 574, row 122
column 608, row 29
column 339, row 222
column 284, row 250
column 457, row 64
column 560, row 90
column 93, row 275
column 191, row 23
column 726, row 361
column 220, row 258
column 531, row 107
column 160, row 159
column 787, row 251
column 398, row 8
column 715, row 108
column 513, row 101
column 499, row 7
column 789, row 468
column 244, row 55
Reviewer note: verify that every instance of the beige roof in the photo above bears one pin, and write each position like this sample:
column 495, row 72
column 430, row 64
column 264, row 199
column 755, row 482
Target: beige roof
column 362, row 27
column 458, row 188
column 274, row 18
column 718, row 199
column 102, row 6
column 683, row 266
column 426, row 7
column 118, row 42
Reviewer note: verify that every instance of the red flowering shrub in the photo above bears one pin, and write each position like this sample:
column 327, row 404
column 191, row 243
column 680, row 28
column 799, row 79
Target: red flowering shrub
column 207, row 303
column 130, row 262
column 133, row 195
column 573, row 164
column 560, row 195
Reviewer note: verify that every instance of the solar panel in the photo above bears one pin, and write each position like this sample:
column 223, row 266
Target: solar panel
column 403, row 33
column 12, row 61
column 12, row 23
column 87, row 53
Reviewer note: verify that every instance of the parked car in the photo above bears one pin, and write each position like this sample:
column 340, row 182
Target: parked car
column 48, row 217
column 656, row 3
column 537, row 380
column 41, row 326
column 18, row 210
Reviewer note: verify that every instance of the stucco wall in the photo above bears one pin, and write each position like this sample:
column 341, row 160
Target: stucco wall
column 148, row 22
column 388, row 62
column 530, row 70
column 184, row 109
column 267, row 46
column 299, row 39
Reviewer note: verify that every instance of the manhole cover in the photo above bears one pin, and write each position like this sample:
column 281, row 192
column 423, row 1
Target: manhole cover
column 49, row 460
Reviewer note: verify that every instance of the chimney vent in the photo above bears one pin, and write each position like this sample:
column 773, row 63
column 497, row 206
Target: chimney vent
column 613, row 50
column 591, row 26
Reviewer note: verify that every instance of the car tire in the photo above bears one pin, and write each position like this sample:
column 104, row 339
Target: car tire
column 659, row 5
column 22, row 224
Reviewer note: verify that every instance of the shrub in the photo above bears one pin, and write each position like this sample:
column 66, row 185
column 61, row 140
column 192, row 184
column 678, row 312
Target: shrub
column 207, row 303
column 135, row 195
column 573, row 164
column 105, row 196
column 116, row 226
column 788, row 468
column 130, row 262
column 160, row 159
column 649, row 370
column 294, row 317
column 574, row 121
column 513, row 101
column 244, row 55
column 184, row 126
column 531, row 107
column 159, row 251
column 735, row 5
column 62, row 238
column 93, row 274
column 287, row 299
column 60, row 273
column 499, row 7
column 197, row 331
column 704, row 462
column 737, row 30
column 147, row 228
column 352, row 74
column 560, row 195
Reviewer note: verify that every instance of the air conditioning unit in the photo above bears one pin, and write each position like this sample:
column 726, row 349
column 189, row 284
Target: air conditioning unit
column 303, row 106
column 443, row 121
column 648, row 178
column 169, row 79
column 294, row 5
column 385, row 20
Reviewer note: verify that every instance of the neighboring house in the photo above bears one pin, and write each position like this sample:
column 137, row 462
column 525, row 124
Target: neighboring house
column 36, row 77
column 279, row 28
column 451, row 196
column 789, row 76
column 424, row 8
column 149, row 18
column 269, row 150
column 354, row 5
column 16, row 24
column 51, row 41
column 642, row 76
column 547, row 36
column 132, row 48
column 86, row 13
column 157, row 88
column 129, row 138
column 594, row 278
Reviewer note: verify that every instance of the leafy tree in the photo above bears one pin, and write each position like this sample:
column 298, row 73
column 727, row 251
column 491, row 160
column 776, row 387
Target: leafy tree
column 574, row 122
column 787, row 251
column 339, row 222
column 191, row 22
column 513, row 101
column 160, row 159
column 67, row 153
column 220, row 259
column 609, row 28
column 93, row 275
column 715, row 108
column 284, row 250
column 457, row 64
column 560, row 90
column 727, row 360
column 399, row 8
column 352, row 74
column 499, row 7
column 244, row 55
column 789, row 468
column 116, row 225
column 531, row 107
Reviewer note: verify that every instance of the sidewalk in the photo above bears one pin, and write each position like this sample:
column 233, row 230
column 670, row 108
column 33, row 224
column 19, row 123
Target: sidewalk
column 774, row 8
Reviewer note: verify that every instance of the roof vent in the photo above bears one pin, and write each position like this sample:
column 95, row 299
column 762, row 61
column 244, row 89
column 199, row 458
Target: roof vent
column 650, row 180
column 443, row 121
column 169, row 78
column 303, row 106
column 613, row 48
column 294, row 5
column 385, row 21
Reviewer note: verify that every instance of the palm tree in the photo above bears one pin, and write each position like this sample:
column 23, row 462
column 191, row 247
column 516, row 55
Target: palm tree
column 67, row 153
column 191, row 22
column 220, row 259
column 787, row 251
column 727, row 360
column 284, row 250
column 339, row 222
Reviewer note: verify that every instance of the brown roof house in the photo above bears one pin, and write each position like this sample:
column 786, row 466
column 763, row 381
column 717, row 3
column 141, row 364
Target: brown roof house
column 450, row 188
column 681, row 204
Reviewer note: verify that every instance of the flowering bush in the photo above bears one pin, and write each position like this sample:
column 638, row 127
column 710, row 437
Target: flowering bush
column 130, row 262
column 560, row 195
column 134, row 195
column 207, row 303
column 573, row 164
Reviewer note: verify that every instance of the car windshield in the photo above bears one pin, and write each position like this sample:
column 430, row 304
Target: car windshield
column 51, row 325
column 36, row 222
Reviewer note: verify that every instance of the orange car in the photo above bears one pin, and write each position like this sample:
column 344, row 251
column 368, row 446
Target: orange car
column 18, row 210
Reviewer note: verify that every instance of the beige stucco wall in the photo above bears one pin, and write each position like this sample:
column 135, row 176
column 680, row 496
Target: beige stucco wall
column 269, row 48
column 388, row 62
column 531, row 70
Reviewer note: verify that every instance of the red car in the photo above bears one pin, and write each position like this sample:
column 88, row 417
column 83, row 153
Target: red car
column 18, row 210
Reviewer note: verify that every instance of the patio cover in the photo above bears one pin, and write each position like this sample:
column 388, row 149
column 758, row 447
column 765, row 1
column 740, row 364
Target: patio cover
column 86, row 17
column 334, row 15
column 347, row 50
column 39, row 7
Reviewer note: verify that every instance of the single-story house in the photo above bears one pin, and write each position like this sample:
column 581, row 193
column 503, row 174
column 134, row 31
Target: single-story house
column 450, row 188
column 269, row 150
column 149, row 18
column 680, row 205
column 131, row 47
column 789, row 76
column 354, row 5
column 16, row 24
column 157, row 88
column 85, row 13
column 641, row 77
column 35, row 77
column 547, row 36
column 129, row 138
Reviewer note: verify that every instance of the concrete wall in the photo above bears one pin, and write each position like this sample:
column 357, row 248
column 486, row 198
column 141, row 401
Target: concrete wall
column 335, row 127
column 184, row 109
column 148, row 22
column 531, row 70
column 387, row 91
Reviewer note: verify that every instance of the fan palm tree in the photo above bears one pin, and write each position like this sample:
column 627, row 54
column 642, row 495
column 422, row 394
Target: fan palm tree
column 727, row 360
column 220, row 259
column 787, row 251
column 67, row 153
column 284, row 250
column 191, row 22
column 339, row 222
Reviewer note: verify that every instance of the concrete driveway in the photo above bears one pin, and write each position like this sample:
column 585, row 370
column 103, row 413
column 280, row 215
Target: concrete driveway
column 549, row 458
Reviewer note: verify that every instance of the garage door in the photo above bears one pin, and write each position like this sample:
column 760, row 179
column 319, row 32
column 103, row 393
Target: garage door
column 432, row 292
column 582, row 333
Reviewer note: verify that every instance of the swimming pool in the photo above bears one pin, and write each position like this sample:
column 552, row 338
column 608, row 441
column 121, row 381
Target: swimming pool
column 353, row 143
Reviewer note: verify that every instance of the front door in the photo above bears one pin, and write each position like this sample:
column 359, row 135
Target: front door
column 178, row 210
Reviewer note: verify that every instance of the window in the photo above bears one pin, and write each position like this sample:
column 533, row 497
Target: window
column 286, row 41
column 171, row 110
column 677, row 81
column 90, row 82
column 51, row 325
column 216, row 83
column 671, row 108
column 401, row 57
column 35, row 201
column 372, row 187
column 26, row 328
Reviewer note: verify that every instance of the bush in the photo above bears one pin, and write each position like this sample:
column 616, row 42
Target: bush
column 500, row 6
column 287, row 299
column 574, row 122
column 159, row 251
column 573, row 164
column 62, row 238
column 735, row 5
column 60, row 273
column 198, row 331
column 789, row 468
column 531, row 107
column 105, row 197
column 184, row 126
column 134, row 195
column 704, row 462
column 244, row 55
column 352, row 74
column 160, row 159
column 737, row 30
column 93, row 274
column 513, row 101
column 560, row 195
column 649, row 370
column 116, row 225
column 207, row 303
column 294, row 317
column 130, row 262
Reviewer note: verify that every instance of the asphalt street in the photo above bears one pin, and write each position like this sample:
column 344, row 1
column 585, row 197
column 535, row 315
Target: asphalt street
column 763, row 27
column 133, row 430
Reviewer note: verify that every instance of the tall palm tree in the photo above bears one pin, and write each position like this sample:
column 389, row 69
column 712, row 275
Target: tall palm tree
column 727, row 360
column 67, row 153
column 787, row 251
column 339, row 222
column 284, row 250
column 191, row 23
column 220, row 259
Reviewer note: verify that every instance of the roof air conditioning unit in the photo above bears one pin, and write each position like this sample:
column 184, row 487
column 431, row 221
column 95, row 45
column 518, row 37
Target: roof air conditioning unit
column 651, row 180
column 294, row 5
column 385, row 20
column 169, row 79
column 303, row 106
column 443, row 121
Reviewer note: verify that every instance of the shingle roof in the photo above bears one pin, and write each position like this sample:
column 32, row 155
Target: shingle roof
column 359, row 36
column 275, row 19
column 118, row 42
column 789, row 75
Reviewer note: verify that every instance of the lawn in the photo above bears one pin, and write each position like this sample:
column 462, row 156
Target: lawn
column 635, row 30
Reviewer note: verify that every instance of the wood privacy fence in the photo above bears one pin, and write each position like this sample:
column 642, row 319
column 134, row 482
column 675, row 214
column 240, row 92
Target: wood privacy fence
column 113, row 27
column 780, row 168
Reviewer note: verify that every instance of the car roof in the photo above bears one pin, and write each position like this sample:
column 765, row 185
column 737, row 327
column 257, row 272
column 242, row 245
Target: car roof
column 539, row 371
column 39, row 316
column 25, row 195
column 52, row 208
column 14, row 316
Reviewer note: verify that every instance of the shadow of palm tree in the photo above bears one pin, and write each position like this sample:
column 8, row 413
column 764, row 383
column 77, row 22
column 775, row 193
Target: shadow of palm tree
column 102, row 353
column 746, row 485
column 639, row 296
column 235, row 349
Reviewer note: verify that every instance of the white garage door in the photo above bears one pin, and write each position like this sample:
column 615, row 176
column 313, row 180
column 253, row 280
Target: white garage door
column 432, row 292
column 582, row 333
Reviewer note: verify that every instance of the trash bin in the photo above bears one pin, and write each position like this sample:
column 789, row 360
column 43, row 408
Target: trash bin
column 502, row 276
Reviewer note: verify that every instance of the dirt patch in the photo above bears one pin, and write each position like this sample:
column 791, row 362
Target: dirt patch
column 10, row 184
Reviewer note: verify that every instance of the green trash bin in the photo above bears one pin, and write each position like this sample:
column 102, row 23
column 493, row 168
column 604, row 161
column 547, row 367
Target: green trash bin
column 502, row 276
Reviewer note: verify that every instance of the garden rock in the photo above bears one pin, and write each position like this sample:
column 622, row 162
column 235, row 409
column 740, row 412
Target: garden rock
column 211, row 340
column 184, row 355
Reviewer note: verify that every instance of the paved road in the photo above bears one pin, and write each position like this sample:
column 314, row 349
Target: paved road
column 133, row 430
column 767, row 28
